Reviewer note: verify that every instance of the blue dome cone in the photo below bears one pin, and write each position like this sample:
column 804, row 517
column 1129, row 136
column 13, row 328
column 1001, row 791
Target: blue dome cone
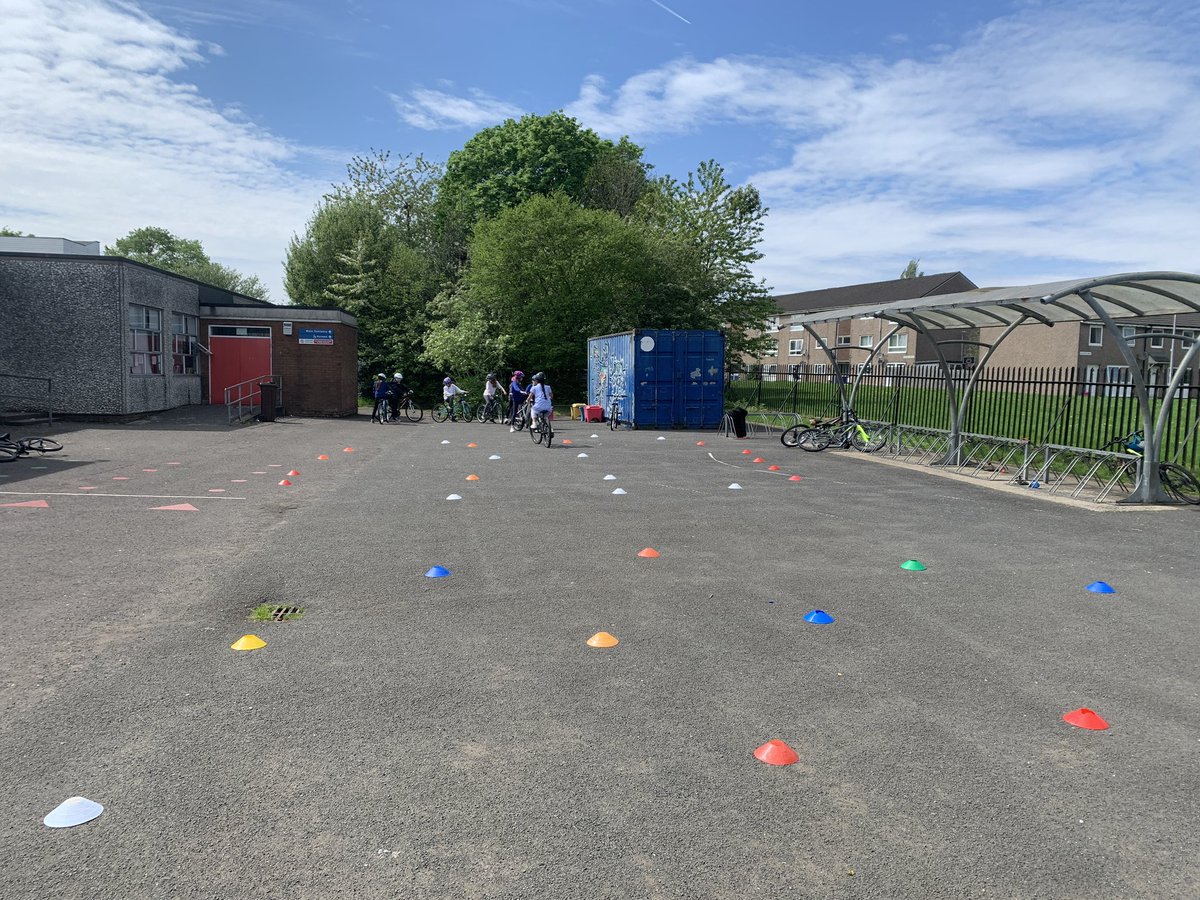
column 1101, row 587
column 819, row 617
column 437, row 572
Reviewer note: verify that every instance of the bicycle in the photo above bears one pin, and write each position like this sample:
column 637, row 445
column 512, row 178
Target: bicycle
column 453, row 409
column 1177, row 481
column 845, row 431
column 490, row 410
column 541, row 429
column 411, row 410
column 614, row 415
column 12, row 450
column 521, row 419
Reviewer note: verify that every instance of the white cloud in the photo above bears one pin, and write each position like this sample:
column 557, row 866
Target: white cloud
column 99, row 138
column 432, row 110
column 1060, row 139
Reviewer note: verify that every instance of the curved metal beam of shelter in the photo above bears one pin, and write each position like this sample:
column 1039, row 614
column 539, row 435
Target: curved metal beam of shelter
column 1106, row 299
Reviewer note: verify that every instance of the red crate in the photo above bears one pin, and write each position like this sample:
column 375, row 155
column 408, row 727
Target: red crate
column 593, row 414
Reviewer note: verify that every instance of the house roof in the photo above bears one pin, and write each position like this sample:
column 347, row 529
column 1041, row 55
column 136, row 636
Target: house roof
column 1122, row 296
column 874, row 293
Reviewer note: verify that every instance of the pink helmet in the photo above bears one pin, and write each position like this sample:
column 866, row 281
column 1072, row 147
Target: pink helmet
column 518, row 374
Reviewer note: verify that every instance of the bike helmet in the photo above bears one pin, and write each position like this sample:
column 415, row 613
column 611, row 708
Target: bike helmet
column 518, row 374
column 447, row 380
column 381, row 375
column 539, row 377
column 398, row 375
column 491, row 376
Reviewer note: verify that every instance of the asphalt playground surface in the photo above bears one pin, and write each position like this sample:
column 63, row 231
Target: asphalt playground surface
column 413, row 737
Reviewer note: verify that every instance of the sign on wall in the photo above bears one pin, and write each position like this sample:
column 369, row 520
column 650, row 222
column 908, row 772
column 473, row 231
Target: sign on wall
column 316, row 335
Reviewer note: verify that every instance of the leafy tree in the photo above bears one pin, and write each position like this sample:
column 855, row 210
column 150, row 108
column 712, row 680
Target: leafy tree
column 5, row 231
column 714, row 229
column 544, row 277
column 159, row 247
column 910, row 271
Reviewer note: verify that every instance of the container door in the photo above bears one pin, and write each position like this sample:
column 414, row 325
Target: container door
column 699, row 373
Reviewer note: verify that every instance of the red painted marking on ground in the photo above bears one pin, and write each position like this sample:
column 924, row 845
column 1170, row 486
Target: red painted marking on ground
column 237, row 480
column 258, row 473
column 178, row 507
column 216, row 490
column 149, row 470
column 90, row 487
column 174, row 464
column 120, row 478
column 29, row 504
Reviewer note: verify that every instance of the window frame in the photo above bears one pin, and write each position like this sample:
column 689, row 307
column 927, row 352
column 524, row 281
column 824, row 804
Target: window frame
column 185, row 333
column 897, row 343
column 1158, row 340
column 1095, row 335
column 145, row 336
column 796, row 347
column 843, row 340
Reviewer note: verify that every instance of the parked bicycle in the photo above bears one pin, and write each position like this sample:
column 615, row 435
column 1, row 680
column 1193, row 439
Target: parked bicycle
column 1177, row 481
column 614, row 415
column 541, row 429
column 844, row 431
column 459, row 409
column 12, row 450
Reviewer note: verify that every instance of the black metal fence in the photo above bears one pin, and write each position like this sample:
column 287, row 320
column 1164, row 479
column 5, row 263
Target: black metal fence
column 1043, row 405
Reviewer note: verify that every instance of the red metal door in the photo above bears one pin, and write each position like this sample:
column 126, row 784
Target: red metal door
column 237, row 358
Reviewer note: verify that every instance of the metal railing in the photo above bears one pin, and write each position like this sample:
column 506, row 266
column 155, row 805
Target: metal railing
column 244, row 400
column 24, row 396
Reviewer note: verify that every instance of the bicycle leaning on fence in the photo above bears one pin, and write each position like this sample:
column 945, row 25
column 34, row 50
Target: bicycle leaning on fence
column 844, row 431
column 1177, row 481
column 12, row 450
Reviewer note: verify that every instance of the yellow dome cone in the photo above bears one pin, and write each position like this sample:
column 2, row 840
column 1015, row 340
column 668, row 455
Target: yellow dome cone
column 602, row 639
column 248, row 642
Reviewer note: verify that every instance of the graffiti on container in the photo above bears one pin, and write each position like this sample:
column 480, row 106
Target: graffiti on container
column 610, row 374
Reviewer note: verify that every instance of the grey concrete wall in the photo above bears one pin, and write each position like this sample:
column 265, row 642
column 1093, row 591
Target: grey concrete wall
column 63, row 321
column 149, row 393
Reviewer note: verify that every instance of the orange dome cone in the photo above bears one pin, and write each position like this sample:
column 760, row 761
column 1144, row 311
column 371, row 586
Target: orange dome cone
column 772, row 468
column 472, row 478
column 794, row 478
column 293, row 473
column 745, row 453
column 472, row 446
column 1085, row 718
column 758, row 459
column 323, row 456
column 347, row 449
column 649, row 553
column 602, row 639
column 699, row 443
column 776, row 753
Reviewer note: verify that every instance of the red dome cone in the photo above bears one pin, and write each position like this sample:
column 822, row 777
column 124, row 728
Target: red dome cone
column 772, row 468
column 293, row 473
column 776, row 753
column 795, row 478
column 745, row 453
column 649, row 553
column 285, row 483
column 1085, row 718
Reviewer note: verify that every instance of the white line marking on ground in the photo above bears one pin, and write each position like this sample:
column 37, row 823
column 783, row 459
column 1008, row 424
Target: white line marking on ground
column 130, row 496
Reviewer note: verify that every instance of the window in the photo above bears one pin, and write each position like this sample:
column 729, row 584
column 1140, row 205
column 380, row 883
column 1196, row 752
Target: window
column 865, row 368
column 796, row 347
column 253, row 331
column 843, row 340
column 796, row 326
column 183, row 343
column 894, row 368
column 1188, row 334
column 771, row 351
column 898, row 343
column 145, row 328
column 819, row 368
column 1156, row 338
column 1129, row 332
column 865, row 340
column 1095, row 335
column 773, row 323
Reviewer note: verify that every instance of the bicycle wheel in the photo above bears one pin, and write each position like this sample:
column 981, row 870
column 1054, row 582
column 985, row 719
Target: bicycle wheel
column 548, row 430
column 791, row 436
column 440, row 413
column 814, row 440
column 867, row 441
column 414, row 412
column 9, row 453
column 41, row 445
column 1179, row 483
column 535, row 431
column 614, row 418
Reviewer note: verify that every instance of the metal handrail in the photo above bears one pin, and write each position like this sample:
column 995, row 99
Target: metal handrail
column 244, row 400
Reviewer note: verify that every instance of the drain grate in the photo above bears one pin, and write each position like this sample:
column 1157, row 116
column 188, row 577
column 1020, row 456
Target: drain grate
column 273, row 612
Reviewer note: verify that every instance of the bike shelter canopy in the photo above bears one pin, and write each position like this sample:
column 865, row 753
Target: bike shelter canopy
column 1105, row 299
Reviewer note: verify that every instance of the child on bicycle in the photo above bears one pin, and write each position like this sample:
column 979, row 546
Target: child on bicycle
column 516, row 397
column 491, row 387
column 450, row 393
column 380, row 390
column 543, row 397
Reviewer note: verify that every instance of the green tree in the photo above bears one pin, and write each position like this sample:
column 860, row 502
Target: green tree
column 910, row 271
column 159, row 247
column 546, row 275
column 714, row 230
column 5, row 231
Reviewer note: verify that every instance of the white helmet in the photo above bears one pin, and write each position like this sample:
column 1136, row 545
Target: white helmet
column 398, row 375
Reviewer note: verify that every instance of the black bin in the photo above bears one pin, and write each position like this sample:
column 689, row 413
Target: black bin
column 739, row 421
column 269, row 393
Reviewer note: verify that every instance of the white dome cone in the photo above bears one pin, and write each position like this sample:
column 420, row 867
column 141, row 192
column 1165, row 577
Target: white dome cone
column 454, row 497
column 493, row 456
column 595, row 435
column 735, row 487
column 661, row 438
column 609, row 478
column 73, row 811
column 445, row 442
column 618, row 491
column 582, row 456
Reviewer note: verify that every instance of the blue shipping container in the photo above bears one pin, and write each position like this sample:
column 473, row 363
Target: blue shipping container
column 659, row 378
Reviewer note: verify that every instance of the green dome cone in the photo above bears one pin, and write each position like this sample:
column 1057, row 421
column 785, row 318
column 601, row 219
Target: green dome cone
column 913, row 565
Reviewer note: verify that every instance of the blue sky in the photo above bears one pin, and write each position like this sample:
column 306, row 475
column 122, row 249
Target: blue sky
column 1018, row 142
